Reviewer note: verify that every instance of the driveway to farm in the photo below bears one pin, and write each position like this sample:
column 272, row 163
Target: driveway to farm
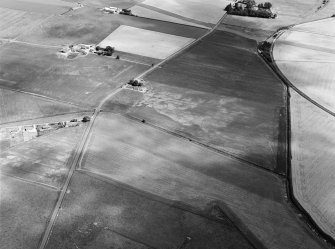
column 81, row 148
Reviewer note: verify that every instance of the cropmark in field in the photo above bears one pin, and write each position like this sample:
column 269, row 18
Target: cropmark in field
column 151, row 161
column 44, row 159
column 220, row 93
column 144, row 42
column 98, row 213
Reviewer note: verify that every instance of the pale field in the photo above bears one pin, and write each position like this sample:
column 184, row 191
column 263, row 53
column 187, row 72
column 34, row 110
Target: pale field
column 43, row 159
column 324, row 27
column 177, row 170
column 288, row 12
column 145, row 42
column 148, row 13
column 15, row 22
column 209, row 12
column 313, row 156
column 24, row 212
column 307, row 60
column 39, row 6
column 15, row 106
column 292, row 53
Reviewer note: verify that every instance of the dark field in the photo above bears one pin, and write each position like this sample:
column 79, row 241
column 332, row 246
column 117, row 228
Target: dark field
column 25, row 210
column 99, row 214
column 15, row 106
column 90, row 26
column 85, row 80
column 176, row 170
column 220, row 93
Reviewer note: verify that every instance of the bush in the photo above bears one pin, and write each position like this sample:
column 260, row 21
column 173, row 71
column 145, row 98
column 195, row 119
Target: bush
column 86, row 119
column 118, row 57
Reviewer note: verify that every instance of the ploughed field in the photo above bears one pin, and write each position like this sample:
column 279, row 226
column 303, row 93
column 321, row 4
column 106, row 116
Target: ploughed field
column 85, row 80
column 313, row 155
column 45, row 159
column 306, row 56
column 218, row 92
column 158, row 164
column 25, row 210
column 15, row 106
column 89, row 25
column 98, row 213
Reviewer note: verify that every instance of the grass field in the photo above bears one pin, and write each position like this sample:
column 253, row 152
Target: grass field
column 175, row 169
column 15, row 106
column 84, row 81
column 288, row 13
column 149, row 13
column 98, row 214
column 25, row 210
column 307, row 60
column 209, row 12
column 89, row 25
column 221, row 93
column 43, row 159
column 144, row 42
column 313, row 155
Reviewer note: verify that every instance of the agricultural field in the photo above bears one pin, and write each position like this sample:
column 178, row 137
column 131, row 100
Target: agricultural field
column 83, row 81
column 145, row 42
column 313, row 155
column 174, row 169
column 24, row 213
column 15, row 22
column 101, row 214
column 89, row 25
column 15, row 106
column 288, row 13
column 39, row 6
column 141, row 11
column 220, row 93
column 306, row 58
column 197, row 11
column 44, row 159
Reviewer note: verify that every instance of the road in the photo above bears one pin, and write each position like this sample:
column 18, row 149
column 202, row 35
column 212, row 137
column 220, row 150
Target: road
column 82, row 144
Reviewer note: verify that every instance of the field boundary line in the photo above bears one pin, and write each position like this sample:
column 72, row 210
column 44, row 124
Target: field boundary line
column 201, row 144
column 73, row 164
column 307, row 219
column 229, row 215
column 42, row 96
column 40, row 117
column 175, row 23
column 30, row 181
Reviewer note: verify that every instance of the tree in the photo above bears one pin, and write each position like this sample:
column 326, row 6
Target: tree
column 267, row 5
column 228, row 8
